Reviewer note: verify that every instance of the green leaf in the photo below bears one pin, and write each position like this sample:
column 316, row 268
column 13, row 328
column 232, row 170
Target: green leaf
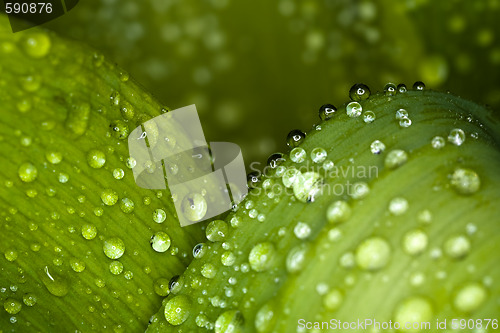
column 69, row 204
column 403, row 229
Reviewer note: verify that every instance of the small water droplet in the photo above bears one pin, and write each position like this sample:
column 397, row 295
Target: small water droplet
column 438, row 142
column 302, row 230
column 414, row 309
column 354, row 109
column 359, row 92
column 199, row 250
column 54, row 283
column 333, row 299
column 89, row 231
column 11, row 255
column 419, row 85
column 359, row 190
column 37, row 45
column 265, row 319
column 457, row 246
column 298, row 155
column 159, row 215
column 115, row 267
column 12, row 306
column 456, row 136
column 290, row 176
column 390, row 89
column 401, row 88
column 119, row 129
column 208, row 270
column 228, row 258
column 369, row 117
column 295, row 138
column 327, row 111
column 30, row 299
column 54, row 157
column 318, row 155
column 161, row 287
column 398, row 206
column 126, row 205
column 77, row 265
column 295, row 260
column 109, row 197
column 229, row 321
column 307, row 186
column 377, row 147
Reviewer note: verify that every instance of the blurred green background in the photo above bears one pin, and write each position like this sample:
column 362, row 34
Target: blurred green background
column 258, row 69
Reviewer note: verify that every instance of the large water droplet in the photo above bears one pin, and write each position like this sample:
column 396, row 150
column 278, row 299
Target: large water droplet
column 456, row 136
column 302, row 230
column 327, row 111
column 208, row 270
column 295, row 260
column 265, row 319
column 295, row 138
column 354, row 109
column 109, row 197
column 373, row 254
column 12, row 306
column 89, row 231
column 54, row 283
column 30, row 299
column 290, row 176
column 377, row 147
column 298, row 155
column 438, row 142
column 398, row 206
column 228, row 258
column 307, row 186
column 419, row 85
column 465, row 181
column 177, row 310
column 161, row 287
column 113, row 248
column 159, row 215
column 77, row 265
column 395, row 158
column 318, row 155
column 160, row 241
column 27, row 172
column 54, row 157
column 216, row 231
column 457, row 246
column 359, row 92
column 115, row 267
column 194, row 207
column 338, row 211
column 37, row 45
column 333, row 299
column 230, row 321
column 390, row 89
column 415, row 242
column 96, row 158
column 415, row 309
column 470, row 297
column 261, row 256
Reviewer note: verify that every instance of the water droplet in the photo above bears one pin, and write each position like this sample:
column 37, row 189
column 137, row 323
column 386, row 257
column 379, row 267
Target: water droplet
column 327, row 111
column 398, row 206
column 261, row 255
column 290, row 176
column 359, row 92
column 30, row 299
column 401, row 88
column 77, row 265
column 456, row 136
column 338, row 211
column 63, row 178
column 208, row 270
column 359, row 190
column 119, row 129
column 228, row 258
column 127, row 205
column 275, row 159
column 405, row 122
column 307, row 186
column 333, row 300
column 161, row 287
column 318, row 155
column 199, row 250
column 295, row 138
column 176, row 284
column 54, row 283
column 419, row 85
column 160, row 241
column 77, row 118
column 10, row 255
column 194, row 207
column 159, row 215
column 96, row 158
column 109, row 197
column 295, row 260
column 373, row 254
column 177, row 310
column 465, row 181
column 12, row 306
column 130, row 162
column 37, row 45
column 457, row 246
column 438, row 142
column 27, row 172
column 298, row 155
column 302, row 230
column 390, row 89
column 354, row 109
column 265, row 319
column 369, row 117
column 113, row 248
column 216, row 231
column 414, row 309
column 54, row 157
column 415, row 242
column 470, row 297
column 395, row 158
column 115, row 267
column 377, row 147
column 89, row 231
column 230, row 321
